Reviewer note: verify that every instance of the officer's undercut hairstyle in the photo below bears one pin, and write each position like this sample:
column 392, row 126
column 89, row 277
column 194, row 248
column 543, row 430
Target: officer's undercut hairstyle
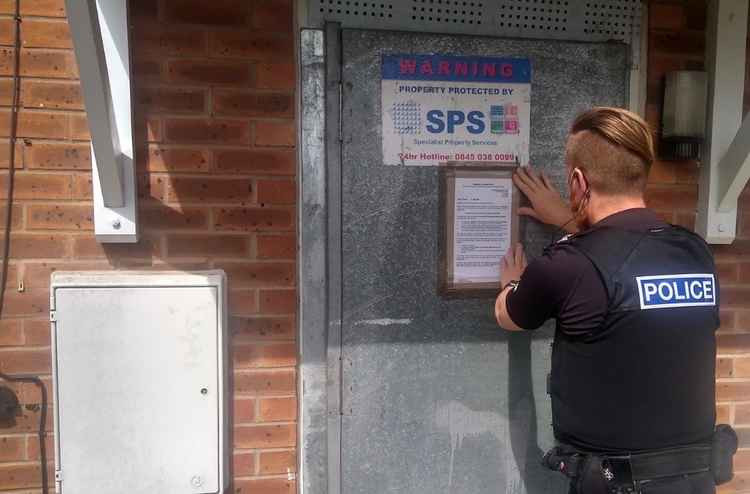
column 614, row 148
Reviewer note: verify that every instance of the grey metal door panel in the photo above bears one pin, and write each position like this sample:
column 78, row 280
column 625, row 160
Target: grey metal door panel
column 436, row 398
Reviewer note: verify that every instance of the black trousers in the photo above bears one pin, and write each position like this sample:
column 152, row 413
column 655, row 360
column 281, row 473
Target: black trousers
column 699, row 483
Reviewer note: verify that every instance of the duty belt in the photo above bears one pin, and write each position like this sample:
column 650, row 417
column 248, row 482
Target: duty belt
column 623, row 469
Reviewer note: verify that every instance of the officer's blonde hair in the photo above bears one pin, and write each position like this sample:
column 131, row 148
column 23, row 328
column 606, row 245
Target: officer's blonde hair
column 614, row 148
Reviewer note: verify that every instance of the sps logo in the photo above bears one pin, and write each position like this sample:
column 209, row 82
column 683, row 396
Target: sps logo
column 439, row 121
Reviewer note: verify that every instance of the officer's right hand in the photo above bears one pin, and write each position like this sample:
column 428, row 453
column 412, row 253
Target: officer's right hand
column 547, row 205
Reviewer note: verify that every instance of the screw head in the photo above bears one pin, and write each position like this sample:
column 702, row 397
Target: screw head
column 720, row 227
column 196, row 481
column 204, row 391
column 116, row 224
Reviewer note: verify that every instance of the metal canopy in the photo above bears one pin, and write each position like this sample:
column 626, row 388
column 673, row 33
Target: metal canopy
column 726, row 166
column 99, row 29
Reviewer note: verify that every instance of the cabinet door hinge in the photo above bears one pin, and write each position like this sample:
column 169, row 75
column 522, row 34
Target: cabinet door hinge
column 52, row 316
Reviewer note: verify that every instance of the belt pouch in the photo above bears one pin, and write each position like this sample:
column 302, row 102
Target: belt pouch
column 723, row 448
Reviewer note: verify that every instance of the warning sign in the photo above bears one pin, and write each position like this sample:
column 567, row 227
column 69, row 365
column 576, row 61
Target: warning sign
column 439, row 108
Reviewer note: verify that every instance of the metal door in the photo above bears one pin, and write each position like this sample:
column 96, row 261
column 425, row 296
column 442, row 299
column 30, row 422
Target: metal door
column 435, row 398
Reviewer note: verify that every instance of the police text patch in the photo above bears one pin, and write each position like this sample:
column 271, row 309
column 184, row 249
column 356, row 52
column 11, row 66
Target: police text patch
column 676, row 290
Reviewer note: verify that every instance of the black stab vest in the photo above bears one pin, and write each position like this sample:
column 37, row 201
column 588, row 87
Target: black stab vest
column 646, row 378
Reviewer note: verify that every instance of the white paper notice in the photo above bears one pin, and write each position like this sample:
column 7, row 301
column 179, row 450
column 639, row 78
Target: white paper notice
column 481, row 228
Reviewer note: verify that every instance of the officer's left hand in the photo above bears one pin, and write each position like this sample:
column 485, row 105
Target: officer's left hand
column 513, row 265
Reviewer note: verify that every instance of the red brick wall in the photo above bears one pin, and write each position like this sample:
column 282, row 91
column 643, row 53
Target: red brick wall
column 215, row 133
column 677, row 42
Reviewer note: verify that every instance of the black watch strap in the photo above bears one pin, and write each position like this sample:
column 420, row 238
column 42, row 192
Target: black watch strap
column 513, row 284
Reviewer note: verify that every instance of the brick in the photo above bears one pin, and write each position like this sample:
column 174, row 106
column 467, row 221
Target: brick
column 740, row 248
column 256, row 161
column 252, row 219
column 79, row 127
column 5, row 153
column 11, row 334
column 171, row 100
column 12, row 449
column 45, row 33
column 277, row 247
column 60, row 217
column 42, row 124
column 742, row 367
column 722, row 414
column 724, row 367
column 727, row 272
column 742, row 460
column 740, row 483
column 277, row 192
column 687, row 172
column 168, row 218
column 36, row 62
column 20, row 476
column 161, row 159
column 678, row 43
column 7, row 31
column 83, row 186
column 257, row 274
column 274, row 462
column 743, row 434
column 207, row 246
column 43, row 8
column 276, row 76
column 265, row 382
column 695, row 14
column 273, row 15
column 51, row 94
column 212, row 190
column 735, row 296
column 727, row 320
column 733, row 343
column 249, row 45
column 209, row 72
column 152, row 187
column 26, row 361
column 145, row 69
column 666, row 16
column 32, row 447
column 207, row 130
column 277, row 409
column 253, row 104
column 37, row 332
column 250, row 329
column 671, row 198
column 244, row 411
column 243, row 463
column 37, row 274
column 164, row 40
column 265, row 436
column 243, row 302
column 278, row 302
column 28, row 420
column 148, row 129
column 265, row 486
column 57, row 156
column 742, row 414
column 282, row 134
column 266, row 355
column 6, row 92
column 17, row 216
column 732, row 391
column 37, row 186
column 28, row 303
column 221, row 12
column 86, row 247
column 35, row 246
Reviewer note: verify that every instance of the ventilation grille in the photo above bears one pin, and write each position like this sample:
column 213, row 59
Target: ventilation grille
column 447, row 12
column 338, row 9
column 538, row 16
column 614, row 19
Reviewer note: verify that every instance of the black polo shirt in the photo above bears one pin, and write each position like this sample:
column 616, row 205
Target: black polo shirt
column 568, row 285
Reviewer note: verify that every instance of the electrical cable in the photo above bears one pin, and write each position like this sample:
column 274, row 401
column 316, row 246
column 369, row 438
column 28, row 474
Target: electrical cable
column 6, row 242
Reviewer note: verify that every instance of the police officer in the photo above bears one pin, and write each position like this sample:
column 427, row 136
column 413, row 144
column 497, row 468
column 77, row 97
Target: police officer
column 636, row 305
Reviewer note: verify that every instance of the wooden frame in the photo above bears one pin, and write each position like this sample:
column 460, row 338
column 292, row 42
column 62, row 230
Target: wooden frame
column 447, row 176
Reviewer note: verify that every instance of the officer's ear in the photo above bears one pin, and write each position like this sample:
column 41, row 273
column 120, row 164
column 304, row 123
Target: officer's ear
column 578, row 178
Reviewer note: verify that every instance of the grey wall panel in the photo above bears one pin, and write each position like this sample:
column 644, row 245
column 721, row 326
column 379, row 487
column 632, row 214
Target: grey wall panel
column 436, row 398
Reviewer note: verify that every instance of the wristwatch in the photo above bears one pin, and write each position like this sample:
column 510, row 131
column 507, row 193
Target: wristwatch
column 513, row 284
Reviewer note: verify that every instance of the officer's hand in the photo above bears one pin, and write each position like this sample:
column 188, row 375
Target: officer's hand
column 546, row 204
column 513, row 265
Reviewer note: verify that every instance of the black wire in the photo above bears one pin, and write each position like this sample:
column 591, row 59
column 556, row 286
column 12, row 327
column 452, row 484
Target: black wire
column 6, row 244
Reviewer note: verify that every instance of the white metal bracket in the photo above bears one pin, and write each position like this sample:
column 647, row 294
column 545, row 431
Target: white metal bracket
column 99, row 29
column 726, row 166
